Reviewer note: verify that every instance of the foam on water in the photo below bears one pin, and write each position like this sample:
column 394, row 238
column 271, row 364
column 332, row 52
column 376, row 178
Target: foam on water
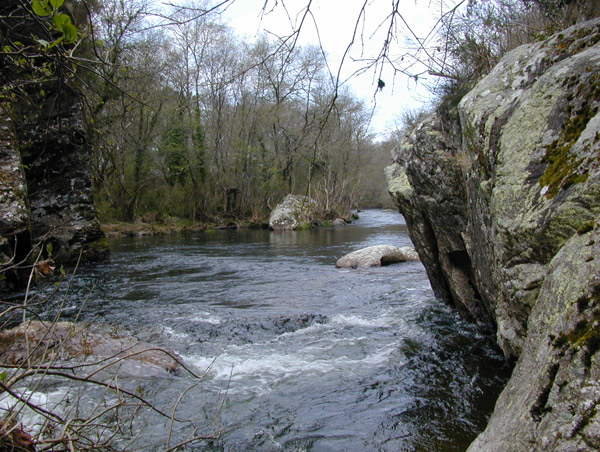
column 174, row 334
column 357, row 320
column 206, row 317
column 50, row 401
column 258, row 366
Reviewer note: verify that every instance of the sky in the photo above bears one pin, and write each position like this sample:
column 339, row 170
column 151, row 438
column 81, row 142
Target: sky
column 332, row 24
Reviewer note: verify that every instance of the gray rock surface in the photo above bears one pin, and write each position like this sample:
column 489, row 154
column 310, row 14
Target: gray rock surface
column 551, row 401
column 338, row 222
column 58, row 180
column 503, row 206
column 14, row 211
column 377, row 256
column 293, row 212
column 14, row 214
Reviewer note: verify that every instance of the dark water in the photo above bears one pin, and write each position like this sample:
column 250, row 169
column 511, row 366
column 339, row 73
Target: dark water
column 299, row 355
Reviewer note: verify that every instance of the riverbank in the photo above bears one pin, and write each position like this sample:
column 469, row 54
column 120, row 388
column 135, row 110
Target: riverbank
column 172, row 226
column 150, row 225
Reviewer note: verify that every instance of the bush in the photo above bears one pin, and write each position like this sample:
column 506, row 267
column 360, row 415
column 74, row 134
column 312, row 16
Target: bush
column 477, row 36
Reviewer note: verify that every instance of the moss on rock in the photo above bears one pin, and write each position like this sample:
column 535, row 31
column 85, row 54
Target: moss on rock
column 565, row 167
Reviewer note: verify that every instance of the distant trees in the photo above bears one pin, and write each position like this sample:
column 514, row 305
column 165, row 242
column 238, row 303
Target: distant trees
column 191, row 121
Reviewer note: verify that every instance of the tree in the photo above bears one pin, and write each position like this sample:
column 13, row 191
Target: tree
column 221, row 126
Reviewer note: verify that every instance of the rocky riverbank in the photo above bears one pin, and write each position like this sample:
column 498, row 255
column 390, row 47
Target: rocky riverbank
column 46, row 205
column 503, row 206
column 286, row 216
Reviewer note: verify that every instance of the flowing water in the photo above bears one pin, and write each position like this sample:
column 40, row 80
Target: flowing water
column 299, row 355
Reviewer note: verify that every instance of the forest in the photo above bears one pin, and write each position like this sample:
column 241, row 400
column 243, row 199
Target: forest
column 192, row 121
column 186, row 119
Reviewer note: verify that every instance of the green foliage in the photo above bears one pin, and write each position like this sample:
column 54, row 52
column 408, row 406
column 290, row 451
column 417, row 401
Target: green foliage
column 41, row 8
column 34, row 55
column 174, row 150
column 61, row 22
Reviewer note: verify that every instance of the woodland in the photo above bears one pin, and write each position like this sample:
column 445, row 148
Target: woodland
column 189, row 120
column 181, row 118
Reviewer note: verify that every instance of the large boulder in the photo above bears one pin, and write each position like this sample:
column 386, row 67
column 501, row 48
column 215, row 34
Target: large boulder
column 435, row 210
column 503, row 206
column 293, row 212
column 377, row 256
column 551, row 401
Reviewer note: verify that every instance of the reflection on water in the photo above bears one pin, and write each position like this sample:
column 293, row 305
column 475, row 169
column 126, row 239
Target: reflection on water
column 300, row 355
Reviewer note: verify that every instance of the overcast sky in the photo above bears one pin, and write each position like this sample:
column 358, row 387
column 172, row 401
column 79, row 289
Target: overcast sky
column 335, row 21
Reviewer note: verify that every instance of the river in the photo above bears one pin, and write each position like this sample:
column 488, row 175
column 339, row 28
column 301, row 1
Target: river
column 299, row 355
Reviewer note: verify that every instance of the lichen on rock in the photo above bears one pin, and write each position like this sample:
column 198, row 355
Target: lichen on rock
column 293, row 212
column 506, row 225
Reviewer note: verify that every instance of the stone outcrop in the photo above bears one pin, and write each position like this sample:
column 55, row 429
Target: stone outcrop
column 377, row 256
column 291, row 213
column 45, row 184
column 503, row 206
column 59, row 181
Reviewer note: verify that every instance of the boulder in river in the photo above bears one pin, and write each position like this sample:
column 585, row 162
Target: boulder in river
column 377, row 256
column 294, row 211
column 44, row 342
column 338, row 222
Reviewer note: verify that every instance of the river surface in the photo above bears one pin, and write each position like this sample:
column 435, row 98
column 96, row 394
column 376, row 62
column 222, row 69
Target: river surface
column 298, row 355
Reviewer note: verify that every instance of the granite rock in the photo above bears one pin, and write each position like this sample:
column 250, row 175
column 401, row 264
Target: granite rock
column 503, row 206
column 377, row 256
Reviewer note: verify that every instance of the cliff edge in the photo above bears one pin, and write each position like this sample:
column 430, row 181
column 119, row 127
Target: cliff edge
column 503, row 206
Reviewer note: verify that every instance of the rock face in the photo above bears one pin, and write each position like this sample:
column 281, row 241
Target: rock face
column 14, row 212
column 293, row 212
column 45, row 184
column 377, row 256
column 503, row 206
